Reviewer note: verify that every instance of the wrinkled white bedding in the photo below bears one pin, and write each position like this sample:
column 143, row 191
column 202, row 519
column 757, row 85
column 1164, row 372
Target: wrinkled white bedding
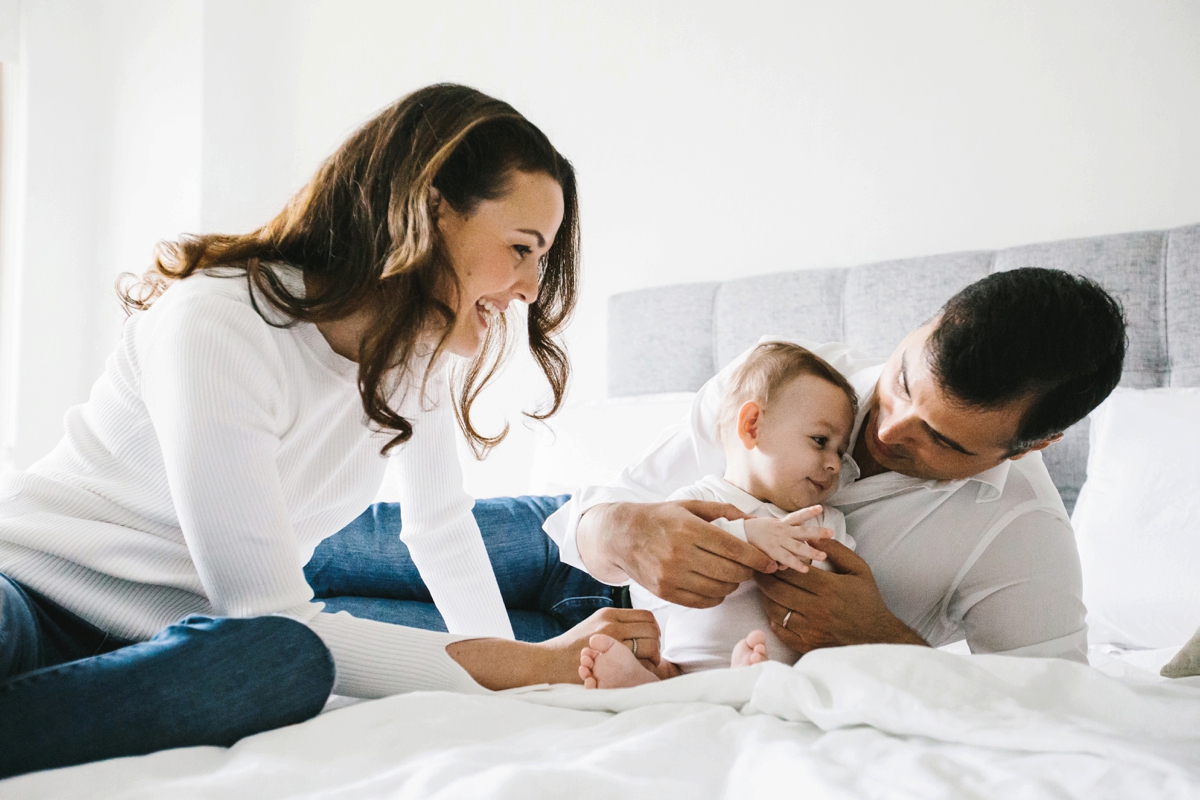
column 870, row 721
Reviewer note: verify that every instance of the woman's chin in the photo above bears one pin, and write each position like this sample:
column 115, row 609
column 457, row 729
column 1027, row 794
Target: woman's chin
column 464, row 344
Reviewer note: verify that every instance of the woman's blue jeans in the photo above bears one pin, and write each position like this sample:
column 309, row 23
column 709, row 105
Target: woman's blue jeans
column 71, row 693
column 366, row 570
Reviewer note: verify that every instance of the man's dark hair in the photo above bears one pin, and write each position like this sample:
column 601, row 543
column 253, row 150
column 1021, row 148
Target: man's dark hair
column 1042, row 333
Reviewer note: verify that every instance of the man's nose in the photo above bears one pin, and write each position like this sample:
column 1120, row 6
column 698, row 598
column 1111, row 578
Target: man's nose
column 896, row 428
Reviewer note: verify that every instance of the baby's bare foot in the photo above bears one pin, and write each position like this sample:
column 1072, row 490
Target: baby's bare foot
column 751, row 650
column 607, row 664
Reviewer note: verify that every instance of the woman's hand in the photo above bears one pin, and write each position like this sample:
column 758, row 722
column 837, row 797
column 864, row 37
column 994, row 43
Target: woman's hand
column 499, row 664
column 626, row 625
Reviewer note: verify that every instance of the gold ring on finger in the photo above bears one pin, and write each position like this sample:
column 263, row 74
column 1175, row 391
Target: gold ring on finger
column 633, row 647
column 786, row 617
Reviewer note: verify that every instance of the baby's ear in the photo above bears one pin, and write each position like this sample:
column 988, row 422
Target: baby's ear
column 749, row 416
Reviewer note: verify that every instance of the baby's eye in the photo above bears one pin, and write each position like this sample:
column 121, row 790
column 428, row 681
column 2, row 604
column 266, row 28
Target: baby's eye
column 821, row 441
column 522, row 249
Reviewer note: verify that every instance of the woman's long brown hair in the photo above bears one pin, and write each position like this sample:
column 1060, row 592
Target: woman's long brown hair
column 364, row 233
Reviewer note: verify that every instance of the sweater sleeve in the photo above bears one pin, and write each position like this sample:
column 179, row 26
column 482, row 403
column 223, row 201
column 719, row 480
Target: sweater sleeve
column 375, row 659
column 437, row 525
column 212, row 387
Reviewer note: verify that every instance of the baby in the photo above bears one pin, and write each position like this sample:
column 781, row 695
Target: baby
column 784, row 423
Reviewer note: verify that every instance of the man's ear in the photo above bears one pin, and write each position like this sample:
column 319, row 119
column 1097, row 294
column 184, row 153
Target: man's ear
column 1042, row 445
column 749, row 415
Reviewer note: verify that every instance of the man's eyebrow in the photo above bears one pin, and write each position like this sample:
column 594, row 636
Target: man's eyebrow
column 541, row 239
column 947, row 440
column 953, row 445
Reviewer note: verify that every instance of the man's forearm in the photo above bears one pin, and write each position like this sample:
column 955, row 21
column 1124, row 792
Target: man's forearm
column 902, row 634
column 592, row 538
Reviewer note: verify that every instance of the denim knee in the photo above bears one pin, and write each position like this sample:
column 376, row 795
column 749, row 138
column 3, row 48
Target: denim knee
column 18, row 631
column 278, row 648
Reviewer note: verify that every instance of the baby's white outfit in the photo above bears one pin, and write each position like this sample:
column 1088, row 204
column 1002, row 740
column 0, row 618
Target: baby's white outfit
column 703, row 638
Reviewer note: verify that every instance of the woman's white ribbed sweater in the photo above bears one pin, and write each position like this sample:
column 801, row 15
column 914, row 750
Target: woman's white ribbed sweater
column 214, row 454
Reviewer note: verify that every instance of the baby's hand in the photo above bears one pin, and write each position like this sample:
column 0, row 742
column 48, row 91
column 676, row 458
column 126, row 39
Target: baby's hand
column 786, row 540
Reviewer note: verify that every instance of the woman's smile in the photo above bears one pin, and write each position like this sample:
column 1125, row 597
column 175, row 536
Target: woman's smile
column 487, row 311
column 495, row 249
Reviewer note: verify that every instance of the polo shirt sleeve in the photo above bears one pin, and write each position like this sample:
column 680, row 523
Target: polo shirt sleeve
column 1024, row 594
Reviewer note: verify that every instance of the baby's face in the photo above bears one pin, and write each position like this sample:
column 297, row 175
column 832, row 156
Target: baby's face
column 801, row 439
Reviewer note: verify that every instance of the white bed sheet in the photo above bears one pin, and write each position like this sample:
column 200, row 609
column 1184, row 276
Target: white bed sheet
column 869, row 721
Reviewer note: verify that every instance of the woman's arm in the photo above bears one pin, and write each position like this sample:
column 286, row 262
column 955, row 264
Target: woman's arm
column 212, row 384
column 438, row 528
column 375, row 659
column 213, row 388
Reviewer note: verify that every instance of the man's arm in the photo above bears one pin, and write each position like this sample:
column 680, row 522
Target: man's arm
column 601, row 532
column 831, row 609
column 670, row 549
column 1024, row 594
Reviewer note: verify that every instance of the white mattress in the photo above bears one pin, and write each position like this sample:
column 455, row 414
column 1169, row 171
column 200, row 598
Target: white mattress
column 869, row 721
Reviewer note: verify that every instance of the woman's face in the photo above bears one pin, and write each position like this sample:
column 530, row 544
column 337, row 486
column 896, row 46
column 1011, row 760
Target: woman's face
column 495, row 251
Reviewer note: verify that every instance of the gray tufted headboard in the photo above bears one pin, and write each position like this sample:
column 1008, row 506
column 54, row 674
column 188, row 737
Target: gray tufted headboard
column 673, row 338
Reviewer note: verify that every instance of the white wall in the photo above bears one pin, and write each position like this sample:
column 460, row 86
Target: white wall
column 110, row 163
column 712, row 139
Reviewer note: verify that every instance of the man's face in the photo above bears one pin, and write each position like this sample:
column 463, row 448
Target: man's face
column 916, row 429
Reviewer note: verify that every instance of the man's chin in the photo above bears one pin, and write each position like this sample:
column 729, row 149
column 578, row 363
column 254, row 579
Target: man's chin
column 894, row 462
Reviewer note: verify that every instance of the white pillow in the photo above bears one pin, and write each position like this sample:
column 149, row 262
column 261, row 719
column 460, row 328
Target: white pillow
column 593, row 442
column 1138, row 519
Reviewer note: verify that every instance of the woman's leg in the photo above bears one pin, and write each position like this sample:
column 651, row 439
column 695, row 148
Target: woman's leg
column 201, row 681
column 365, row 569
column 20, row 646
column 36, row 632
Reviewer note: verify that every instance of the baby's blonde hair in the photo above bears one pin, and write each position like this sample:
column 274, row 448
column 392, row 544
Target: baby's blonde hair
column 770, row 367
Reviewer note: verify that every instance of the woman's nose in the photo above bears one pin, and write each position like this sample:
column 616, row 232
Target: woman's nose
column 526, row 287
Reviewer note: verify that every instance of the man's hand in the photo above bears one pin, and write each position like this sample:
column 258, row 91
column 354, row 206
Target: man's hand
column 830, row 609
column 669, row 548
column 787, row 540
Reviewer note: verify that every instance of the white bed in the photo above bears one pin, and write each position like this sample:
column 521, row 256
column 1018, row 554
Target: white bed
column 868, row 721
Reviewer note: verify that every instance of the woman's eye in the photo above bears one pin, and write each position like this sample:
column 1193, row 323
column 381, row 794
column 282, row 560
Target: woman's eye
column 522, row 249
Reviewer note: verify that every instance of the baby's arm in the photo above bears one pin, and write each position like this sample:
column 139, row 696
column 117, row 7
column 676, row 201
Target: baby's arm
column 788, row 540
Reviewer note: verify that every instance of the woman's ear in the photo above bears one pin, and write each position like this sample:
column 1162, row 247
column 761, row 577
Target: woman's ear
column 748, row 418
column 435, row 202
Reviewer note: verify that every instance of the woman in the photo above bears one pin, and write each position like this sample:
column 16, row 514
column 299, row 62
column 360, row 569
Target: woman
column 242, row 420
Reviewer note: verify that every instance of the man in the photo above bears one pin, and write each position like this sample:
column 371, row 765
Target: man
column 960, row 531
